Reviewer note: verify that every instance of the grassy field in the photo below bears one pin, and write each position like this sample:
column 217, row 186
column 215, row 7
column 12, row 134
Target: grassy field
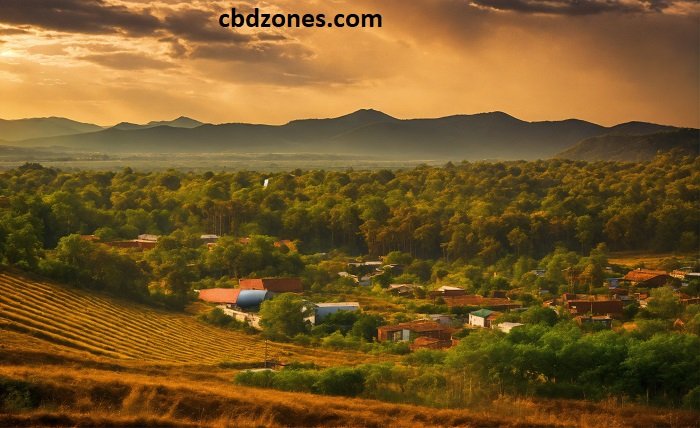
column 103, row 326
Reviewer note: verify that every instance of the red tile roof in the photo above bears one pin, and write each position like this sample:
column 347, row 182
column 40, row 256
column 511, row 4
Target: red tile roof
column 641, row 275
column 472, row 300
column 417, row 326
column 219, row 295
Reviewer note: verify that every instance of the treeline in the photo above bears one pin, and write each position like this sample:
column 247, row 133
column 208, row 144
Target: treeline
column 480, row 225
column 465, row 211
column 534, row 360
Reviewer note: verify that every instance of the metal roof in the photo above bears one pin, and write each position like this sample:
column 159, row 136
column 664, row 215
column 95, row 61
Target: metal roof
column 332, row 305
column 481, row 313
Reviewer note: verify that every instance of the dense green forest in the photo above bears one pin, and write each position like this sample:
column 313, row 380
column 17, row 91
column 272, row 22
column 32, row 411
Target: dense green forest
column 468, row 211
column 463, row 222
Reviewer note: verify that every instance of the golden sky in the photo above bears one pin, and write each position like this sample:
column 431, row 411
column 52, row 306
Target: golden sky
column 106, row 61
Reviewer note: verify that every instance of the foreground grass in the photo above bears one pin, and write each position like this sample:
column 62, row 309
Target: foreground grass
column 68, row 393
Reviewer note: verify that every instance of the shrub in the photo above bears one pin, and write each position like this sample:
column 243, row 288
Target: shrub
column 347, row 382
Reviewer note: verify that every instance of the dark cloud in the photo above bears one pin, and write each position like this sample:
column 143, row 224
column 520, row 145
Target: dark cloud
column 576, row 7
column 201, row 26
column 12, row 31
column 80, row 16
column 126, row 61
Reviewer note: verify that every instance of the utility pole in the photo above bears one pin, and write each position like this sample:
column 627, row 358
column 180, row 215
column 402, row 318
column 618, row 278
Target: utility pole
column 266, row 351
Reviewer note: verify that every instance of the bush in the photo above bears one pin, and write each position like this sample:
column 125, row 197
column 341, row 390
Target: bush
column 295, row 380
column 258, row 379
column 347, row 382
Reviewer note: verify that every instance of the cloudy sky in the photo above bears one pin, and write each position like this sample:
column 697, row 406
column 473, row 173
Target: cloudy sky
column 106, row 61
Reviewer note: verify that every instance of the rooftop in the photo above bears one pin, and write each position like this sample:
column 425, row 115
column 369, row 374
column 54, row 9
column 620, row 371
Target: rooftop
column 219, row 295
column 481, row 313
column 417, row 326
column 640, row 275
column 331, row 305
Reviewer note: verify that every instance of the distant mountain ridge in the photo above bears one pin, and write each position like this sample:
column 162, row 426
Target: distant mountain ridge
column 180, row 122
column 23, row 129
column 635, row 148
column 368, row 132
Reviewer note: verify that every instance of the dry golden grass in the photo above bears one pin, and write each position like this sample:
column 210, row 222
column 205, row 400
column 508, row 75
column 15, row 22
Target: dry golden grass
column 128, row 396
column 104, row 326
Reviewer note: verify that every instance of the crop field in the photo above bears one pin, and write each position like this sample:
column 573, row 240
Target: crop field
column 106, row 327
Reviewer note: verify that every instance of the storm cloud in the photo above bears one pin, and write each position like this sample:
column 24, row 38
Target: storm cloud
column 599, row 60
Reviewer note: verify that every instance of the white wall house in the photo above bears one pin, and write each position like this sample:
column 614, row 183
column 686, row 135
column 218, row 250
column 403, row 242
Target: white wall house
column 322, row 310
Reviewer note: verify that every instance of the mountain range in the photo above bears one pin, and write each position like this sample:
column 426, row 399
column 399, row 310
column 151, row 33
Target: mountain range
column 366, row 132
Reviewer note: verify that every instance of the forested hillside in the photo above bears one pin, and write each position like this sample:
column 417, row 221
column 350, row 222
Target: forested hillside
column 468, row 211
column 635, row 148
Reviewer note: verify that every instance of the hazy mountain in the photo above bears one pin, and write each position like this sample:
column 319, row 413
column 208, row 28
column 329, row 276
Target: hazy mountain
column 22, row 129
column 634, row 148
column 364, row 132
column 180, row 122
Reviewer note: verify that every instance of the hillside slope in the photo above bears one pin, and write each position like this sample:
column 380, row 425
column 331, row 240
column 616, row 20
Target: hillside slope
column 107, row 327
column 22, row 129
column 365, row 132
column 634, row 148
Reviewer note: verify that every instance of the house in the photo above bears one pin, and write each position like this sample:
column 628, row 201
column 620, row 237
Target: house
column 495, row 303
column 252, row 319
column 141, row 244
column 371, row 264
column 90, row 238
column 409, row 331
column 447, row 291
column 650, row 278
column 252, row 299
column 483, row 318
column 441, row 319
column 613, row 282
column 506, row 327
column 595, row 307
column 405, row 290
column 209, row 239
column 148, row 237
column 603, row 320
column 235, row 297
column 219, row 295
column 322, row 310
column 275, row 285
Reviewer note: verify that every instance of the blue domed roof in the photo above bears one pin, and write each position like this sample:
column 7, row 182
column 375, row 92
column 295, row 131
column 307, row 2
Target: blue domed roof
column 251, row 298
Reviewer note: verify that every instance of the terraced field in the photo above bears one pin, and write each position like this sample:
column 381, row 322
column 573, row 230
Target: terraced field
column 107, row 327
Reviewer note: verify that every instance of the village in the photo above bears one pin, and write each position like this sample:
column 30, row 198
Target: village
column 464, row 311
